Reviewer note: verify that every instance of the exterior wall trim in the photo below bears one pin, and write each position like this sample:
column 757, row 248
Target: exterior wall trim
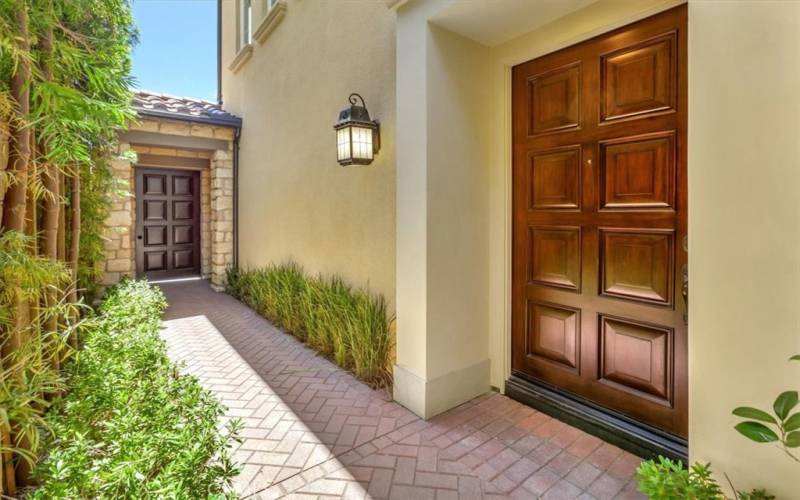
column 428, row 398
column 270, row 21
column 241, row 57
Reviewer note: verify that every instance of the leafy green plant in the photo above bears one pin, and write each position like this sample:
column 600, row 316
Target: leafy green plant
column 667, row 479
column 29, row 371
column 350, row 326
column 782, row 427
column 132, row 426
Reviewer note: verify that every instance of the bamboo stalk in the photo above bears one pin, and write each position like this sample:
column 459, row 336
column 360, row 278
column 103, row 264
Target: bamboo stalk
column 75, row 237
column 19, row 150
column 51, row 210
column 61, row 243
column 3, row 163
column 15, row 203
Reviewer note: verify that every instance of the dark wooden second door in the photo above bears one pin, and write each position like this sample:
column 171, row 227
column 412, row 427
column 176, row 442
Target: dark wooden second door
column 600, row 220
column 167, row 223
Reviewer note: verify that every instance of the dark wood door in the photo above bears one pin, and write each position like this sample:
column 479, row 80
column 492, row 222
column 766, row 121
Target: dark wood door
column 167, row 223
column 600, row 218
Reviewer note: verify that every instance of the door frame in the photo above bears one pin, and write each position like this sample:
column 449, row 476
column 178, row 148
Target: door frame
column 138, row 226
column 634, row 436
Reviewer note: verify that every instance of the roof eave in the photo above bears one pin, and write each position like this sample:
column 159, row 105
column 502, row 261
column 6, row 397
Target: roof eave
column 233, row 121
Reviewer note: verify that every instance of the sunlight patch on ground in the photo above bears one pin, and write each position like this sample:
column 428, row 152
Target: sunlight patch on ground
column 277, row 445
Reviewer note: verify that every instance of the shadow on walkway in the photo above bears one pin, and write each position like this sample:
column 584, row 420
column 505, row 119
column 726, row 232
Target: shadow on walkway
column 312, row 430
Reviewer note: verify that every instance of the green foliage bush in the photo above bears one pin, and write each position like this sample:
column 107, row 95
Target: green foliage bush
column 348, row 325
column 669, row 480
column 131, row 426
column 666, row 479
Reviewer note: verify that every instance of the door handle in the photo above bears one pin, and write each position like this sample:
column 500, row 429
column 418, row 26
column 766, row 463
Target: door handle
column 685, row 291
column 139, row 237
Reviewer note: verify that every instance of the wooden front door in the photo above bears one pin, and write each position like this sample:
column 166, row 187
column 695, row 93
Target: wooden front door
column 599, row 223
column 167, row 223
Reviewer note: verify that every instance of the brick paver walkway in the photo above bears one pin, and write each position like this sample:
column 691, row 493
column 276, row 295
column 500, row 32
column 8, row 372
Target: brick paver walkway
column 311, row 430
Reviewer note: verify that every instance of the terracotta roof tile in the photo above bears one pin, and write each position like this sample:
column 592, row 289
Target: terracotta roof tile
column 182, row 108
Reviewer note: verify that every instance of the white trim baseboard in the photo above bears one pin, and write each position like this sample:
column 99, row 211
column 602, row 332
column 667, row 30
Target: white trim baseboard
column 428, row 398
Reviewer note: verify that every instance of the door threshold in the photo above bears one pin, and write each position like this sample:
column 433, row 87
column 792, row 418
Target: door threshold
column 175, row 280
column 636, row 437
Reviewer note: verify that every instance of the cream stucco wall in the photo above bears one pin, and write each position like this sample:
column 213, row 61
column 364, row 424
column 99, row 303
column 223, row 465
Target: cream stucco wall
column 295, row 201
column 744, row 229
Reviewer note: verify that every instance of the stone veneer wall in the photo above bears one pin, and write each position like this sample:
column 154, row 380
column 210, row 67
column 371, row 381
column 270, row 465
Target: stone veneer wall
column 216, row 208
column 221, row 216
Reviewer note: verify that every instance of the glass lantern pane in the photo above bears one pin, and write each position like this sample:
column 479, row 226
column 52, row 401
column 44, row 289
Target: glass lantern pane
column 343, row 149
column 362, row 143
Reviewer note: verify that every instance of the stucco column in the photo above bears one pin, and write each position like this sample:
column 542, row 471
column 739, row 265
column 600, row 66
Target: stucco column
column 442, row 217
column 221, row 216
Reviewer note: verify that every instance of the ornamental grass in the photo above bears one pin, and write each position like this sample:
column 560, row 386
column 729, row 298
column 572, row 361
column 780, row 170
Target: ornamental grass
column 345, row 324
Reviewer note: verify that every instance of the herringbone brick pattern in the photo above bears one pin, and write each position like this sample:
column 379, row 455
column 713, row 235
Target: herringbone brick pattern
column 311, row 430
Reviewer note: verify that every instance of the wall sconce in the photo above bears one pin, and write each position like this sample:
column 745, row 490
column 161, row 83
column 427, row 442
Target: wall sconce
column 358, row 137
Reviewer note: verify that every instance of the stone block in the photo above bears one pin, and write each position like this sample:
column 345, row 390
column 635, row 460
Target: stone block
column 118, row 265
column 112, row 244
column 223, row 173
column 173, row 128
column 202, row 131
column 111, row 278
column 146, row 125
column 223, row 133
column 119, row 218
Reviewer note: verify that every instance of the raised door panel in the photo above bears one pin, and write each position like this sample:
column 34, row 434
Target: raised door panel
column 155, row 210
column 637, row 264
column 182, row 210
column 154, row 185
column 554, row 334
column 155, row 260
column 637, row 357
column 155, row 235
column 554, row 100
column 555, row 179
column 182, row 235
column 182, row 185
column 555, row 256
column 637, row 173
column 639, row 80
column 182, row 259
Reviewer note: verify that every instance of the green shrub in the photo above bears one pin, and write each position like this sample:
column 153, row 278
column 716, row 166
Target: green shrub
column 348, row 325
column 666, row 479
column 669, row 480
column 131, row 426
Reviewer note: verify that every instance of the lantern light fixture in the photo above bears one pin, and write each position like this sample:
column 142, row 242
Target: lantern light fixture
column 357, row 136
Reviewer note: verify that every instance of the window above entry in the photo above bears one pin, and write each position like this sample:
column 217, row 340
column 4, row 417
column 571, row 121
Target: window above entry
column 244, row 34
column 272, row 14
